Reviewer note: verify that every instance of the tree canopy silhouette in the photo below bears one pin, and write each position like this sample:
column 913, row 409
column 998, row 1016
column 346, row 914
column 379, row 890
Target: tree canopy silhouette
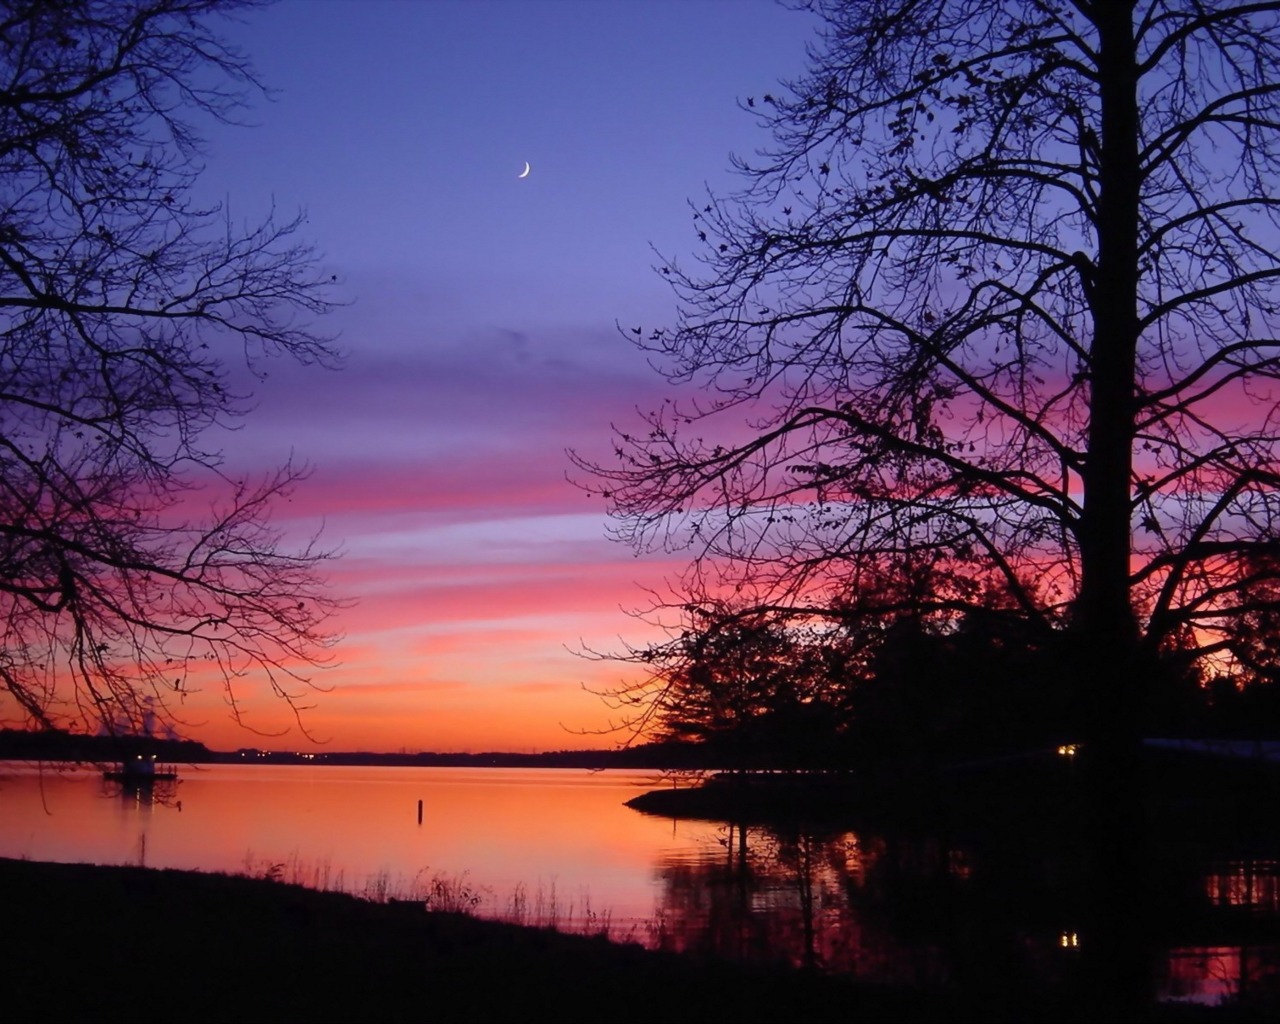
column 133, row 568
column 999, row 300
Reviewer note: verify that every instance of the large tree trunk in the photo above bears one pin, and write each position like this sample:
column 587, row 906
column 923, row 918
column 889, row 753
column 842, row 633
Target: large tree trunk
column 1111, row 676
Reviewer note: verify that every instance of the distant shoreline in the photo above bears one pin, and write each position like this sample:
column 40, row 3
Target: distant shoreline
column 18, row 745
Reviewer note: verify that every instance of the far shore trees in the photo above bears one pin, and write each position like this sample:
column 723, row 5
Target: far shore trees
column 133, row 566
column 1000, row 302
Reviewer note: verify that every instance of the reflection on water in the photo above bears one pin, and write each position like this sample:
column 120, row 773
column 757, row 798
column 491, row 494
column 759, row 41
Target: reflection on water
column 548, row 843
column 879, row 908
column 979, row 911
column 914, row 910
column 1211, row 974
column 1249, row 884
column 142, row 795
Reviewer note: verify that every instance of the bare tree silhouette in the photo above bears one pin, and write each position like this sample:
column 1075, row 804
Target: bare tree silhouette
column 1000, row 298
column 132, row 567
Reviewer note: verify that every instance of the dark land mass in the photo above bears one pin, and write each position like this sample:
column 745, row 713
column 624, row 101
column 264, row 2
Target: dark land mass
column 20, row 745
column 1204, row 809
column 955, row 775
column 87, row 943
column 1219, row 793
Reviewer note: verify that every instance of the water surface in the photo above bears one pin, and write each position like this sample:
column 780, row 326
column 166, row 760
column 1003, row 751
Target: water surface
column 504, row 834
column 558, row 846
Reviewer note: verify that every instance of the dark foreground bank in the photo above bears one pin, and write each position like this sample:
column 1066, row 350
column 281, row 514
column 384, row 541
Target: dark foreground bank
column 85, row 943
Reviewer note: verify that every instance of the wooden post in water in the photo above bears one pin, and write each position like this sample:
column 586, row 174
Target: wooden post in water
column 419, row 812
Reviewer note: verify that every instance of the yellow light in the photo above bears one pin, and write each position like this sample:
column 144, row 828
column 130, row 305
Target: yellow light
column 1069, row 749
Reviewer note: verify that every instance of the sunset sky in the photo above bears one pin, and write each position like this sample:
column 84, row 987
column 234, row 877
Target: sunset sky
column 480, row 331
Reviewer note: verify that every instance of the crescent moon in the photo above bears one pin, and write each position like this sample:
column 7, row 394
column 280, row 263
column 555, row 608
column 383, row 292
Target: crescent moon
column 525, row 172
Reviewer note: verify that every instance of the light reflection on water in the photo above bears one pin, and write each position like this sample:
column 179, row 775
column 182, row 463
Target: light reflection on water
column 557, row 846
column 351, row 827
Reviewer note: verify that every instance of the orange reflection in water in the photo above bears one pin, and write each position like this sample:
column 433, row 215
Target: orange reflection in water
column 502, row 827
column 540, row 832
column 1213, row 974
column 1250, row 883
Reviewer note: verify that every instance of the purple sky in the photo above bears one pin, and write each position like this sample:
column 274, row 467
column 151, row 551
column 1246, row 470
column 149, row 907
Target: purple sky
column 480, row 331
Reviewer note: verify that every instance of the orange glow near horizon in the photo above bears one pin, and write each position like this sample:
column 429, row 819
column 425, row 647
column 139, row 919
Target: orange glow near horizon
column 441, row 654
column 465, row 614
column 434, row 714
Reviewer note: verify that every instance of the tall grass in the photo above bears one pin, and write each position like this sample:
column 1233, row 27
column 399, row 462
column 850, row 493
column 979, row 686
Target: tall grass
column 544, row 909
column 455, row 893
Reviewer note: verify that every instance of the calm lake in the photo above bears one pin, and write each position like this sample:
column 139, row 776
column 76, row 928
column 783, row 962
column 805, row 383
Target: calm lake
column 558, row 847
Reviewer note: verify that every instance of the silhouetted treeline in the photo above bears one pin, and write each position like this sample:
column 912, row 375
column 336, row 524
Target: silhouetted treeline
column 660, row 756
column 62, row 746
column 917, row 692
column 56, row 745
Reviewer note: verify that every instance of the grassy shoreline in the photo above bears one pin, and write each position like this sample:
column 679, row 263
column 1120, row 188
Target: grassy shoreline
column 94, row 943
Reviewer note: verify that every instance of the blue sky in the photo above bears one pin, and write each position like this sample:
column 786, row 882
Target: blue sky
column 480, row 325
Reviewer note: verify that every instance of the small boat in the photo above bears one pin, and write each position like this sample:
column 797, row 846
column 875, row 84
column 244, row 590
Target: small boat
column 141, row 770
